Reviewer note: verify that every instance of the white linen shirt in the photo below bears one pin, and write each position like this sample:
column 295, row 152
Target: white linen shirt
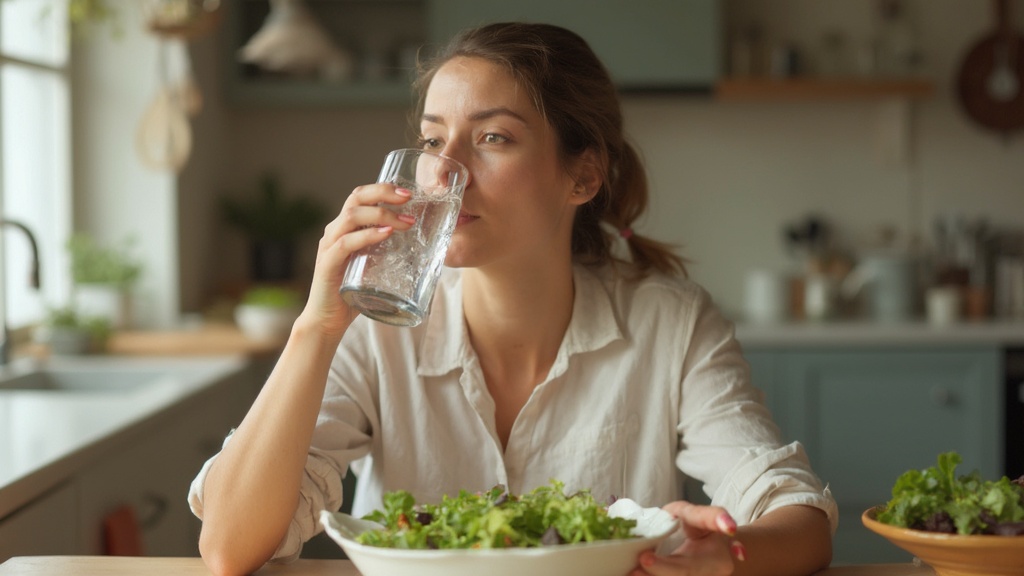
column 649, row 386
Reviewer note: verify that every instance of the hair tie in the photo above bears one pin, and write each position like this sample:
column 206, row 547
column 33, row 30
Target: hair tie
column 626, row 233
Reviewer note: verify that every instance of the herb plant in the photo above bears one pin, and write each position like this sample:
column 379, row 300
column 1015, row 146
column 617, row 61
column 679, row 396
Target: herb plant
column 92, row 263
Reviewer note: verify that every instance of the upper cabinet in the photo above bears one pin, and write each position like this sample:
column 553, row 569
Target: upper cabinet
column 652, row 45
column 663, row 45
column 323, row 52
column 676, row 46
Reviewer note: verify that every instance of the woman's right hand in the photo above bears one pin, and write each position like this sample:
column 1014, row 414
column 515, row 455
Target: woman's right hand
column 363, row 221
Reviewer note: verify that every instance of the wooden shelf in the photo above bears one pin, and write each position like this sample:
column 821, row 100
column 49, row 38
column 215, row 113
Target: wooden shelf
column 752, row 89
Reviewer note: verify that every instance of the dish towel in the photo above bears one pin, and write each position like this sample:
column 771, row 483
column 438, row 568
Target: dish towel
column 121, row 533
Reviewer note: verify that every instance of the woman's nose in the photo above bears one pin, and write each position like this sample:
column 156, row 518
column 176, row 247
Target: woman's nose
column 451, row 171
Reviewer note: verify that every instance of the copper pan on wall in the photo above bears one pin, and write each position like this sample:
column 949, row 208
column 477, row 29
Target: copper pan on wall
column 990, row 85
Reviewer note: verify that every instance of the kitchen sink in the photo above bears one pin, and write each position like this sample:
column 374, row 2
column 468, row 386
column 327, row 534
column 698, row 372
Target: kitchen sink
column 98, row 375
column 81, row 381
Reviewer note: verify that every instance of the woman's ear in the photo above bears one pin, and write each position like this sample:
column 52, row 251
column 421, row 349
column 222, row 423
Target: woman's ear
column 588, row 176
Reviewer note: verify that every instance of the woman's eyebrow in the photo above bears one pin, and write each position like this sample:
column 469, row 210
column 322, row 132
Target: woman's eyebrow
column 476, row 116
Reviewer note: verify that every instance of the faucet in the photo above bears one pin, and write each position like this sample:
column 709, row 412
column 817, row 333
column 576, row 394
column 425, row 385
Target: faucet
column 5, row 340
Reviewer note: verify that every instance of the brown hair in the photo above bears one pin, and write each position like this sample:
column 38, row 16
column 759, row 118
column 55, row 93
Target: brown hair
column 573, row 91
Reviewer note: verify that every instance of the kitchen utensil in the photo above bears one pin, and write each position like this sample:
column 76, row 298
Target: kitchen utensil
column 164, row 137
column 942, row 305
column 991, row 80
column 890, row 280
column 819, row 297
column 766, row 296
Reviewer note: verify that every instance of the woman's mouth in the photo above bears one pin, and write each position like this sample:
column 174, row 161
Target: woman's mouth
column 465, row 218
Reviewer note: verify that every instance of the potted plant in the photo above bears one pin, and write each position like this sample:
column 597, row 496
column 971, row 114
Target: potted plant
column 68, row 332
column 268, row 312
column 273, row 224
column 103, row 278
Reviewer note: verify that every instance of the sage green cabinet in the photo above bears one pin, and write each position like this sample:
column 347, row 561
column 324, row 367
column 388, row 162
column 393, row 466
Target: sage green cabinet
column 43, row 527
column 867, row 415
column 654, row 44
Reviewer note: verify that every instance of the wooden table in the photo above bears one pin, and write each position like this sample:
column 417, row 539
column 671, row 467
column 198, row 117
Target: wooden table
column 124, row 566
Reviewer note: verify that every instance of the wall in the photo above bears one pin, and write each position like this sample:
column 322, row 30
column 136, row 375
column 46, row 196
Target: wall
column 114, row 79
column 726, row 177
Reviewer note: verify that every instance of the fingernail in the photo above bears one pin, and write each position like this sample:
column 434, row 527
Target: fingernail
column 403, row 192
column 739, row 551
column 726, row 524
column 384, row 229
column 646, row 560
column 407, row 218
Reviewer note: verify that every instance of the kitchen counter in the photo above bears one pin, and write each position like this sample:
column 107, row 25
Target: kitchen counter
column 46, row 436
column 210, row 339
column 118, row 566
column 864, row 333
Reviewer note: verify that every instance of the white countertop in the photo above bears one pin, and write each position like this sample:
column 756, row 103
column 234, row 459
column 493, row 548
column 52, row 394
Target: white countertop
column 47, row 435
column 1006, row 334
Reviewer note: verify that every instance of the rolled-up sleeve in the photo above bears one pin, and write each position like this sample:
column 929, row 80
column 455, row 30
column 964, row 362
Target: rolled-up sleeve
column 728, row 439
column 343, row 434
column 320, row 490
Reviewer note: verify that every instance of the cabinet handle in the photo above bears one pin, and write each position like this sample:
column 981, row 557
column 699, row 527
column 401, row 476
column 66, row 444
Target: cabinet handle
column 157, row 505
column 941, row 396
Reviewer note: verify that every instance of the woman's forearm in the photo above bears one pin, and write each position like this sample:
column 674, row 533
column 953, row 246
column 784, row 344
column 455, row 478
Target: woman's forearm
column 252, row 488
column 790, row 541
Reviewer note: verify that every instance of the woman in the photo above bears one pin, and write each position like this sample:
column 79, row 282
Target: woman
column 544, row 356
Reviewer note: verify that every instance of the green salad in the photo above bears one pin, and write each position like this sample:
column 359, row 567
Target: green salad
column 936, row 500
column 494, row 519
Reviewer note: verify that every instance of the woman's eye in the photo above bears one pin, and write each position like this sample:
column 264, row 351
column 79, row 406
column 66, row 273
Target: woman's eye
column 429, row 143
column 492, row 138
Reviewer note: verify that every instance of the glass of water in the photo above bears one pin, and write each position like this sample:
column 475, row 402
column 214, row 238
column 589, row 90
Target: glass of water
column 393, row 281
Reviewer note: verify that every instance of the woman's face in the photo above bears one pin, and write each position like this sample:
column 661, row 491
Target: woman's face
column 518, row 205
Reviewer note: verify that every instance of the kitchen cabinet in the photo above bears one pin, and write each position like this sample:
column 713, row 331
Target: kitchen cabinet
column 663, row 45
column 867, row 415
column 145, row 463
column 381, row 36
column 152, row 472
column 655, row 45
column 45, row 526
column 808, row 89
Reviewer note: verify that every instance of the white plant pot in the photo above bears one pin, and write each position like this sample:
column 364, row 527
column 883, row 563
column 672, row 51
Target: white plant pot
column 68, row 341
column 264, row 322
column 108, row 301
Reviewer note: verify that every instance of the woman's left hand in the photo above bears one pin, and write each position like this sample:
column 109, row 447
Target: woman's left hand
column 710, row 547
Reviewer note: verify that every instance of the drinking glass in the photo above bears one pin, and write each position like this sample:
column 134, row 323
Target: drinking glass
column 393, row 281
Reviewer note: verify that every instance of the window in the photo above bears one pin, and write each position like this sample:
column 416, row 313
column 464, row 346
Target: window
column 35, row 153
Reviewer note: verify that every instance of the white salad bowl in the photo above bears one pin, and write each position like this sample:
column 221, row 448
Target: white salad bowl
column 604, row 558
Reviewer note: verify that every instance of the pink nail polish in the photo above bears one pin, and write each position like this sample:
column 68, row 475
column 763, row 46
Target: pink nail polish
column 726, row 524
column 384, row 229
column 407, row 218
column 403, row 192
column 739, row 551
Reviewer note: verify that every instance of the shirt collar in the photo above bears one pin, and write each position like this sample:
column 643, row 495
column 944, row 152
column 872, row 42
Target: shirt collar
column 446, row 342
